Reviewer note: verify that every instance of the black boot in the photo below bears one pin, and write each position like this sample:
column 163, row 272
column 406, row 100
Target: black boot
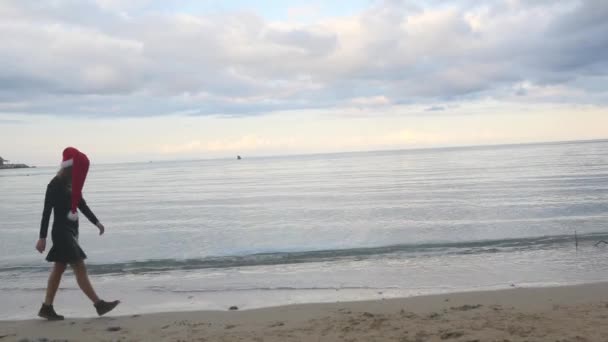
column 48, row 312
column 104, row 307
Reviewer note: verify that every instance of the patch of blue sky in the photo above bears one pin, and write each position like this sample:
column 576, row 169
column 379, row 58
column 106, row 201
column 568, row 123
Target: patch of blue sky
column 269, row 9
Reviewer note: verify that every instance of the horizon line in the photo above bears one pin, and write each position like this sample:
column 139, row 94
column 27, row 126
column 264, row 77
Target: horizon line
column 447, row 147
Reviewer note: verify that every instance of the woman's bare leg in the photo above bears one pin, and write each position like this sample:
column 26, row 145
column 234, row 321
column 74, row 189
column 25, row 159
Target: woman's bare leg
column 53, row 283
column 80, row 271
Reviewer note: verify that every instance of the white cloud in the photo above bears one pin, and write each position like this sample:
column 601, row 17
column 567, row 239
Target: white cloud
column 245, row 143
column 371, row 101
column 75, row 57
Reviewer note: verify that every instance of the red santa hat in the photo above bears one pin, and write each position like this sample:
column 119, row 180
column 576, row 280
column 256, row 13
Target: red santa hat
column 80, row 167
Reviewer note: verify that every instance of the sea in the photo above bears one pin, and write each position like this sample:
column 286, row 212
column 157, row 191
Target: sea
column 268, row 231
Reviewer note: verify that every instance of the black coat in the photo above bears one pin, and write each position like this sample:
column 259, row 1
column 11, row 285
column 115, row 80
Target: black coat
column 65, row 232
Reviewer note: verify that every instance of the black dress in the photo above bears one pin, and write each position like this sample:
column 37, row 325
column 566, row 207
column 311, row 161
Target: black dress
column 65, row 232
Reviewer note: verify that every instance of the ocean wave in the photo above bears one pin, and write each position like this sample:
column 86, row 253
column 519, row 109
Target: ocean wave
column 355, row 254
column 277, row 288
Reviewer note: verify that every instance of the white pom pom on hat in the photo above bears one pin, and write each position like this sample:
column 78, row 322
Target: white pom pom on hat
column 72, row 216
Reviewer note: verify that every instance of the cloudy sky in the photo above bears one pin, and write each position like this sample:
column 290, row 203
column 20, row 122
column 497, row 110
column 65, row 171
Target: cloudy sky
column 166, row 79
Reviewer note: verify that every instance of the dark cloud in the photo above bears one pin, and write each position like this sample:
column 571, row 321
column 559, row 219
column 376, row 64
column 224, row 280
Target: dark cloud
column 90, row 58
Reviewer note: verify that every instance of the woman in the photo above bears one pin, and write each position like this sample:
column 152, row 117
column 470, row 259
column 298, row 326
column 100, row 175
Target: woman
column 64, row 196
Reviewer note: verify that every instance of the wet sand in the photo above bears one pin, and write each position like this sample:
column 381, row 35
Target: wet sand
column 570, row 313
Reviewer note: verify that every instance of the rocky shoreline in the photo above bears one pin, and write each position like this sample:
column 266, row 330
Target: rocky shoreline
column 15, row 166
column 5, row 165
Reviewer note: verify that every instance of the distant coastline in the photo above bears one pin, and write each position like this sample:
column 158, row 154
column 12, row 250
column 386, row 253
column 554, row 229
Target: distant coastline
column 5, row 165
column 15, row 166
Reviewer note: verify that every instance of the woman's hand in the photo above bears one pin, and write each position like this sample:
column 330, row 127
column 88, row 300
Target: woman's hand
column 101, row 228
column 41, row 245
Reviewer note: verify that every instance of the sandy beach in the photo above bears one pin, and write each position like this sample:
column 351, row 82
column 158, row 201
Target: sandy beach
column 570, row 313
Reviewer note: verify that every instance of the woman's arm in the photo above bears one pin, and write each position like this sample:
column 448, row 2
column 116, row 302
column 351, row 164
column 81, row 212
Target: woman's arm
column 46, row 217
column 46, row 212
column 84, row 208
